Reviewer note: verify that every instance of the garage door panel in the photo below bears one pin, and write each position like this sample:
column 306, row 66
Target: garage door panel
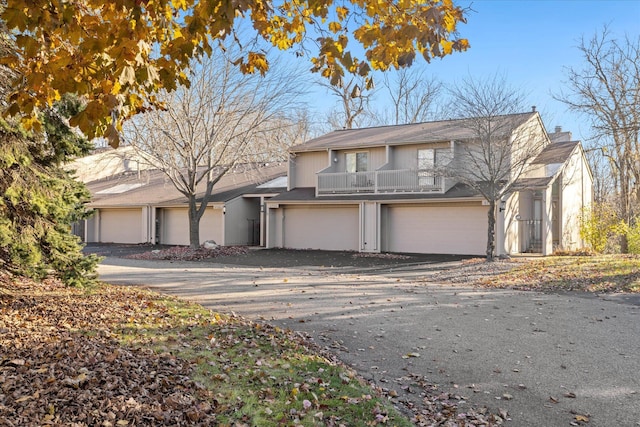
column 175, row 226
column 438, row 230
column 121, row 226
column 328, row 228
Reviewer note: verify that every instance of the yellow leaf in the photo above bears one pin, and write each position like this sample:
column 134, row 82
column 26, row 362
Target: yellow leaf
column 128, row 76
column 116, row 88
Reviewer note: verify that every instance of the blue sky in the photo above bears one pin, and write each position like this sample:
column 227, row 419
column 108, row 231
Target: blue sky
column 531, row 43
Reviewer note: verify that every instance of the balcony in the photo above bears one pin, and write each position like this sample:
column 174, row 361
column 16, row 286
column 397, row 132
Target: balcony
column 379, row 182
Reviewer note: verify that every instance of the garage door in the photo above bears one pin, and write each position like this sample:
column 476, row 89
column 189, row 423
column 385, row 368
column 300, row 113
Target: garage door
column 121, row 226
column 329, row 228
column 436, row 230
column 175, row 226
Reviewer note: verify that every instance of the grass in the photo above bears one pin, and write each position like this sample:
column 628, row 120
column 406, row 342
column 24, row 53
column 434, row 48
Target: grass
column 598, row 273
column 243, row 373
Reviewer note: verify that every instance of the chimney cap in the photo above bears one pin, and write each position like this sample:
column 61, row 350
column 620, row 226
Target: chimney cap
column 533, row 108
column 558, row 129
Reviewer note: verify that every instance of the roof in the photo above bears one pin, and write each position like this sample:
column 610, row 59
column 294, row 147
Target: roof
column 556, row 152
column 532, row 183
column 152, row 187
column 305, row 194
column 446, row 130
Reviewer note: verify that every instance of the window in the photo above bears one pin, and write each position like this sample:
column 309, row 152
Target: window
column 426, row 164
column 357, row 162
column 428, row 160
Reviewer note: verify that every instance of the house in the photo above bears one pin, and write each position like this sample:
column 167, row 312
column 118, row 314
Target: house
column 143, row 206
column 375, row 190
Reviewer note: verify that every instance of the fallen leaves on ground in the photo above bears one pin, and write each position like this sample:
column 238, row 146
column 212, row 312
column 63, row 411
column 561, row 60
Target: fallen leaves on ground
column 432, row 407
column 60, row 363
column 601, row 273
column 185, row 253
column 118, row 356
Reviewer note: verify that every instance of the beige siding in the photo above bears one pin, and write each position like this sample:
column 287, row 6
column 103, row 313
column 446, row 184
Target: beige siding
column 406, row 156
column 455, row 229
column 575, row 194
column 174, row 223
column 121, row 226
column 511, row 236
column 303, row 167
column 328, row 228
column 377, row 157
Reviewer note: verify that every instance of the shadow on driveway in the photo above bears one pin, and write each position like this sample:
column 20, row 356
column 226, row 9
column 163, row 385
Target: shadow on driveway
column 544, row 358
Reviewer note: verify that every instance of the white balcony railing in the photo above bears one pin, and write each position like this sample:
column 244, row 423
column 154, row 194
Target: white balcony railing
column 386, row 181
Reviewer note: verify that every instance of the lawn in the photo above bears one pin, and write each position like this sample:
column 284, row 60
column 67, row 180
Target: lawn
column 118, row 356
column 598, row 273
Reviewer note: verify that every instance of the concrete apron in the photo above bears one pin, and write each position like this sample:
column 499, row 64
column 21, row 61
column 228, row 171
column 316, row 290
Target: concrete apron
column 525, row 352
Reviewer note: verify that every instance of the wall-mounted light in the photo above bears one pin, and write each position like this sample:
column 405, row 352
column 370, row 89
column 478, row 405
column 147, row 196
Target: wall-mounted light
column 262, row 208
column 503, row 205
column 335, row 160
column 224, row 210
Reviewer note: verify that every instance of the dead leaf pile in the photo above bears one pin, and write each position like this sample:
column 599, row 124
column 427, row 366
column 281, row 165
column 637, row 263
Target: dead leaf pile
column 185, row 253
column 60, row 365
column 601, row 273
column 430, row 406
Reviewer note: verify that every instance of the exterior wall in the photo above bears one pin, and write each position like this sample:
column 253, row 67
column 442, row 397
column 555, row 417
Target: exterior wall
column 239, row 226
column 547, row 222
column 174, row 226
column 275, row 232
column 406, row 156
column 528, row 141
column 333, row 227
column 575, row 194
column 510, row 238
column 303, row 168
column 525, row 211
column 370, row 227
column 118, row 225
column 444, row 228
column 377, row 158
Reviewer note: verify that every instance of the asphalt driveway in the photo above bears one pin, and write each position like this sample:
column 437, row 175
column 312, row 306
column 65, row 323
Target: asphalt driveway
column 547, row 359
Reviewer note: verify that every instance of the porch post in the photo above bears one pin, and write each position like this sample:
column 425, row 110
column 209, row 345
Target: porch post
column 500, row 235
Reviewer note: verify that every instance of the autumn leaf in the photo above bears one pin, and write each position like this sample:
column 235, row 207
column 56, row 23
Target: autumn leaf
column 90, row 42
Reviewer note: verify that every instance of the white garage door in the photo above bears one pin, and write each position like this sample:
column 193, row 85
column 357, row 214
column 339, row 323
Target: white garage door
column 329, row 228
column 458, row 230
column 121, row 226
column 175, row 226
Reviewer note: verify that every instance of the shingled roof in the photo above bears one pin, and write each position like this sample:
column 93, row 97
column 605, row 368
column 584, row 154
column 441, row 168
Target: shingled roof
column 557, row 152
column 152, row 187
column 446, row 130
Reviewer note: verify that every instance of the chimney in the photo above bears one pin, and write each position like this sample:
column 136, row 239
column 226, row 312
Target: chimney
column 558, row 129
column 533, row 108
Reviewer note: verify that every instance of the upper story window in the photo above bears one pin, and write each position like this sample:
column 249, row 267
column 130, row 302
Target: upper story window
column 358, row 162
column 426, row 159
column 429, row 158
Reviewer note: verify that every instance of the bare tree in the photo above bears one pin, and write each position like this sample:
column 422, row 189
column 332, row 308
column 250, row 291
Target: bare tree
column 413, row 96
column 223, row 119
column 353, row 102
column 607, row 91
column 499, row 145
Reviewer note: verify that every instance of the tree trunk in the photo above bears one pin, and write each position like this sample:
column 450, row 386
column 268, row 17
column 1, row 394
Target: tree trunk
column 194, row 224
column 491, row 217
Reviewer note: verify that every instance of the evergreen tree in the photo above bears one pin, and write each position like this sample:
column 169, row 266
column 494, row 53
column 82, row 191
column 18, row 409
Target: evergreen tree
column 40, row 200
